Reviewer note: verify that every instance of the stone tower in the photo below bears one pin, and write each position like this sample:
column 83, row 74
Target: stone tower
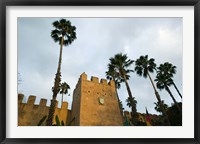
column 95, row 103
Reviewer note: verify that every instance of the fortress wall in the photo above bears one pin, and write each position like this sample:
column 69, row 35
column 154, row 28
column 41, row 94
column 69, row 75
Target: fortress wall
column 92, row 112
column 29, row 114
column 75, row 112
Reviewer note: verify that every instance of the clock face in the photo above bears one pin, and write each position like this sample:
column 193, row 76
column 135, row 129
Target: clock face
column 101, row 101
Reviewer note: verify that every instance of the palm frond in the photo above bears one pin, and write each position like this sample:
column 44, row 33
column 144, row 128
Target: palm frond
column 55, row 24
column 56, row 38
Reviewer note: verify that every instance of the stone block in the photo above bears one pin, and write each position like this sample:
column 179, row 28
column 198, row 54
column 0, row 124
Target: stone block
column 111, row 83
column 64, row 105
column 103, row 81
column 31, row 100
column 95, row 79
column 43, row 102
column 20, row 98
column 83, row 76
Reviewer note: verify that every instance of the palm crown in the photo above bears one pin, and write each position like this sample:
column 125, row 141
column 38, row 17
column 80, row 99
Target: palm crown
column 111, row 74
column 143, row 65
column 162, row 81
column 120, row 64
column 63, row 29
column 64, row 88
column 130, row 102
column 165, row 74
column 167, row 69
column 158, row 108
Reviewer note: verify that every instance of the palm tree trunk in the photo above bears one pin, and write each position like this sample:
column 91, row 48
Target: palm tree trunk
column 49, row 121
column 118, row 97
column 159, row 100
column 56, row 88
column 121, row 111
column 175, row 102
column 177, row 89
column 156, row 93
column 62, row 100
column 134, row 113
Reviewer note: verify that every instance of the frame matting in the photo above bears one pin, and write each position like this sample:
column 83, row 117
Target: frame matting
column 6, row 3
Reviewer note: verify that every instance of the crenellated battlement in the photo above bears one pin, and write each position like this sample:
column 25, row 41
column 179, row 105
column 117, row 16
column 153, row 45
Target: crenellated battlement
column 30, row 113
column 42, row 103
column 94, row 79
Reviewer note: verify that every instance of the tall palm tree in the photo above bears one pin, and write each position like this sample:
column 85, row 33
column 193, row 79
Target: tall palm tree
column 169, row 70
column 144, row 66
column 64, row 90
column 120, row 64
column 64, row 33
column 162, row 82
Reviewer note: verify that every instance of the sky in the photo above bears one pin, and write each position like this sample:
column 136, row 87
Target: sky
column 98, row 39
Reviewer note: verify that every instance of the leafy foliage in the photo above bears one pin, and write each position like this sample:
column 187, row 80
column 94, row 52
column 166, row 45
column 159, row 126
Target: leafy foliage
column 175, row 116
column 64, row 88
column 132, row 102
column 163, row 82
column 158, row 108
column 121, row 106
column 143, row 65
column 165, row 73
column 58, row 122
column 111, row 74
column 120, row 64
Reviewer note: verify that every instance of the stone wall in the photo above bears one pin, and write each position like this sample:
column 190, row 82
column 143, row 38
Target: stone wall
column 95, row 103
column 29, row 114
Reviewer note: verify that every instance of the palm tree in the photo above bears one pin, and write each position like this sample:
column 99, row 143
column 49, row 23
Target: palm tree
column 169, row 70
column 162, row 82
column 64, row 90
column 120, row 64
column 64, row 33
column 158, row 108
column 144, row 66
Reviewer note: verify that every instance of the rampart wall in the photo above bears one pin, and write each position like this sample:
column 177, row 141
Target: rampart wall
column 29, row 114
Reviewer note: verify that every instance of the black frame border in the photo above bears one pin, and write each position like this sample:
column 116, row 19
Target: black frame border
column 5, row 3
